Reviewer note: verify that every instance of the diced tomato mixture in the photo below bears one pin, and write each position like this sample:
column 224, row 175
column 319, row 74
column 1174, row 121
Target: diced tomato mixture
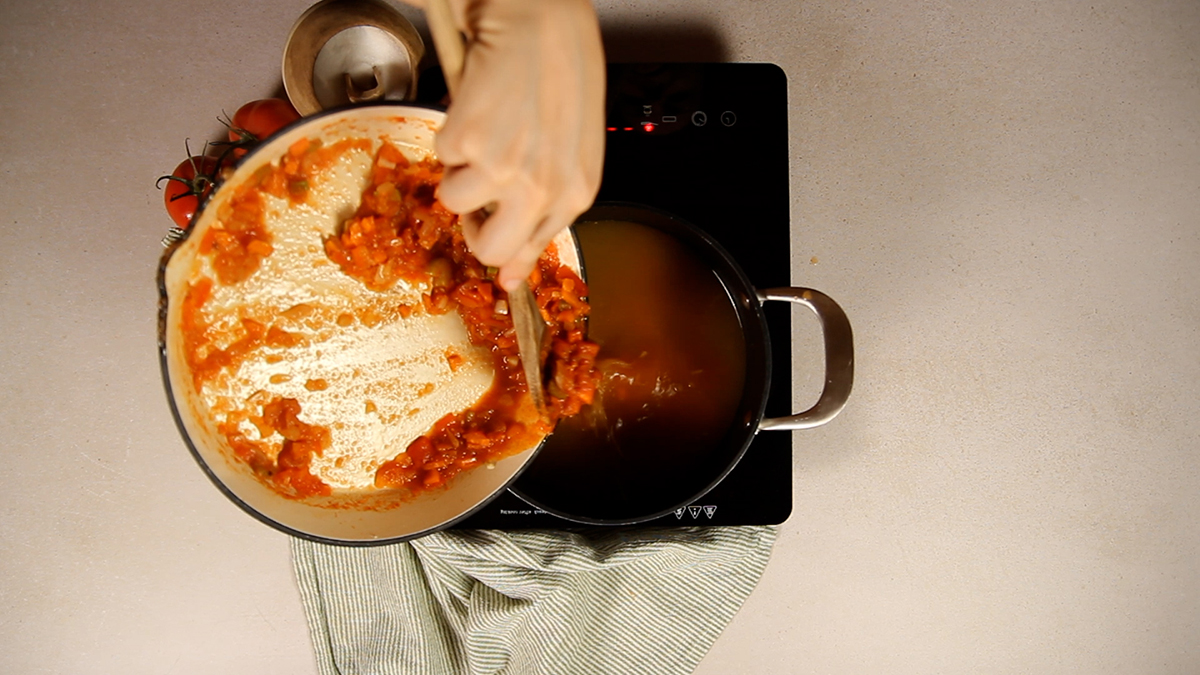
column 304, row 161
column 204, row 359
column 288, row 472
column 239, row 242
column 400, row 231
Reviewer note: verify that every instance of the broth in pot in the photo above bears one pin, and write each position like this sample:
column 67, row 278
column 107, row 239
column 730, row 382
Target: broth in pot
column 673, row 367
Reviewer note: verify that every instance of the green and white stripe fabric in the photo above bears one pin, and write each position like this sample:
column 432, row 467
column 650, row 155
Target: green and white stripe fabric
column 608, row 601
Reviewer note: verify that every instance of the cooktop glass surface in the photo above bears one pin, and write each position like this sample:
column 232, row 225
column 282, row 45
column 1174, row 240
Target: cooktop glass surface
column 709, row 144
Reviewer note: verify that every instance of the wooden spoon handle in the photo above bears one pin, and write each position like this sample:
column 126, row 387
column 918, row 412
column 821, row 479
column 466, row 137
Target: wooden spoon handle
column 447, row 41
column 527, row 319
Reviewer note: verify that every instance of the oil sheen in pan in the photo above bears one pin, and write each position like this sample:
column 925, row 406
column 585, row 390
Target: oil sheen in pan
column 672, row 361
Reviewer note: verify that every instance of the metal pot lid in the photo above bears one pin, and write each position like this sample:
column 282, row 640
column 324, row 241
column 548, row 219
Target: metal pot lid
column 349, row 51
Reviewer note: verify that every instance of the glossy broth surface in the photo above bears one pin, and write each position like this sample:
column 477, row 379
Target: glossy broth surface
column 672, row 362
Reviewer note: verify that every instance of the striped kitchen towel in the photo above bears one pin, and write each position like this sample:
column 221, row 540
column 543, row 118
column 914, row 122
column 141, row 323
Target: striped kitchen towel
column 606, row 601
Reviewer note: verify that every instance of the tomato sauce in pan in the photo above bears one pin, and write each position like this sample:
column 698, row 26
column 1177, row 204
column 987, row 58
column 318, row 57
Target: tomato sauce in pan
column 399, row 231
column 402, row 232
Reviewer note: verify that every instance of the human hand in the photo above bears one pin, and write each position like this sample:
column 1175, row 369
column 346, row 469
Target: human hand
column 525, row 131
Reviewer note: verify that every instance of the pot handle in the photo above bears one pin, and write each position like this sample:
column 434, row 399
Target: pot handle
column 839, row 358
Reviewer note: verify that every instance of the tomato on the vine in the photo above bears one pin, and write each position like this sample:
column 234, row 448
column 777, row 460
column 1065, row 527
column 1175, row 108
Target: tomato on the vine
column 187, row 186
column 190, row 184
column 257, row 120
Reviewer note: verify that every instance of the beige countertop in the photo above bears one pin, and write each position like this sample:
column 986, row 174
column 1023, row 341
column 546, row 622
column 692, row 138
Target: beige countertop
column 1005, row 197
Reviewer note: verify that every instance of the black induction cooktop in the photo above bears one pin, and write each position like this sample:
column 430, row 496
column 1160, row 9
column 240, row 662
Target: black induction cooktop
column 708, row 143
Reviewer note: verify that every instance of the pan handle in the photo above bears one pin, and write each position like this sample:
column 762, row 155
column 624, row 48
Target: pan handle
column 839, row 358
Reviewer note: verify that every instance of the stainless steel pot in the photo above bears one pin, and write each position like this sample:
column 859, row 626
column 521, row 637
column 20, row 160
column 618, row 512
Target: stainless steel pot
column 600, row 490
